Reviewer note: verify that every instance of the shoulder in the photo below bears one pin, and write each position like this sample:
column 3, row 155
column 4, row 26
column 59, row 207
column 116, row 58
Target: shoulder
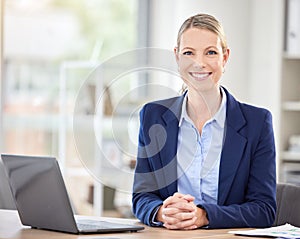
column 248, row 110
column 253, row 110
column 165, row 110
column 160, row 106
column 164, row 103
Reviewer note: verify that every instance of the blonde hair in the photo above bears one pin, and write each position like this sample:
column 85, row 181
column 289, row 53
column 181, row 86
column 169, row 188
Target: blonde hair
column 204, row 21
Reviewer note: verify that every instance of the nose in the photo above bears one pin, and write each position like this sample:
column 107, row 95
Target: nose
column 199, row 61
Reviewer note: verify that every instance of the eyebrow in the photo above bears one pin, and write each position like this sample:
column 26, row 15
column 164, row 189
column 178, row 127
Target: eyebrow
column 188, row 48
column 191, row 48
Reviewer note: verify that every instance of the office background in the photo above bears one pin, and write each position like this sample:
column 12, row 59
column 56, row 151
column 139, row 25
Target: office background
column 48, row 42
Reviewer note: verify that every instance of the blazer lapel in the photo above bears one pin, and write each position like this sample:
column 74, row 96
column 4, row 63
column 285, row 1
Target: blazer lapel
column 233, row 148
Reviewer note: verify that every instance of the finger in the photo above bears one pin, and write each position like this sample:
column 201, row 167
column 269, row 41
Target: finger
column 183, row 216
column 193, row 227
column 182, row 225
column 173, row 199
column 175, row 217
column 170, row 211
column 170, row 220
column 183, row 206
column 188, row 198
column 178, row 195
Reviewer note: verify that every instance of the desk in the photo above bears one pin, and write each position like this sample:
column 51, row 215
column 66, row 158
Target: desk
column 11, row 227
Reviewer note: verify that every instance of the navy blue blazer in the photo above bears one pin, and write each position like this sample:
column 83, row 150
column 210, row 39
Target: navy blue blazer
column 247, row 176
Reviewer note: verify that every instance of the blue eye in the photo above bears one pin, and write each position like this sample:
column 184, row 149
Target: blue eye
column 187, row 53
column 211, row 52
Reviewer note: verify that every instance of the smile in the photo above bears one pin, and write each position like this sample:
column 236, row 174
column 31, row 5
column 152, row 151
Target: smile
column 200, row 76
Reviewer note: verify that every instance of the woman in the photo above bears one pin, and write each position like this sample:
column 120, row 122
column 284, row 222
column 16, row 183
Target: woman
column 204, row 158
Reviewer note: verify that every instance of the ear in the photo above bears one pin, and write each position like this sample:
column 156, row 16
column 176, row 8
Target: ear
column 226, row 56
column 176, row 53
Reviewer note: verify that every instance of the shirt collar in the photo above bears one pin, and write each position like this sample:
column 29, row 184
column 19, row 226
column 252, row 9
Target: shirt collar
column 184, row 114
column 219, row 117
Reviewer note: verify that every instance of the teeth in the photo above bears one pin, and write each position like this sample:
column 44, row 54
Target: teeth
column 200, row 75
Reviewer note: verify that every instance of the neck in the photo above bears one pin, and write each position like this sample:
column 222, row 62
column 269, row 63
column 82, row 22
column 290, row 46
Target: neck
column 202, row 106
column 205, row 102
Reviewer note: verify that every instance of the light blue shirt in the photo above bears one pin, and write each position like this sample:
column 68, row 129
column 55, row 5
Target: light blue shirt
column 199, row 155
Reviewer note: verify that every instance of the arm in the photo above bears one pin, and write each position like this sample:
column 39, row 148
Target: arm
column 155, row 177
column 145, row 197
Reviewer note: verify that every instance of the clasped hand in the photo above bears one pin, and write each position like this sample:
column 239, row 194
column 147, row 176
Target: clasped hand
column 180, row 212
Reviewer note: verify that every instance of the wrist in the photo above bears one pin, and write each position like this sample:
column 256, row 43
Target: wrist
column 158, row 217
column 202, row 217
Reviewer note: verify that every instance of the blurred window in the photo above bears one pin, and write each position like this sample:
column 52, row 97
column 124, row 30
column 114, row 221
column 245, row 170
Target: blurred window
column 40, row 37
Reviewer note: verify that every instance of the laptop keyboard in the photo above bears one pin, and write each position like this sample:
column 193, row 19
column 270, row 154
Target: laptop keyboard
column 93, row 224
column 83, row 226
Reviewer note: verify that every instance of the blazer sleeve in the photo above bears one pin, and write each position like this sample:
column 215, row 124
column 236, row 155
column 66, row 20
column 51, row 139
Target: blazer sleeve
column 145, row 196
column 259, row 206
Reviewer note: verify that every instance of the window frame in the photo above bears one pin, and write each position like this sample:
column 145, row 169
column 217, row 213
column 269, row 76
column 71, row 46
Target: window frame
column 1, row 70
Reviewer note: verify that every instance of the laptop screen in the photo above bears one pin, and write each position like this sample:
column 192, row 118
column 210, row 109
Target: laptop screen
column 39, row 192
column 42, row 200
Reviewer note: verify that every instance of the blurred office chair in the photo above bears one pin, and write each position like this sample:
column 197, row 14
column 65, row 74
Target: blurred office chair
column 288, row 205
column 6, row 199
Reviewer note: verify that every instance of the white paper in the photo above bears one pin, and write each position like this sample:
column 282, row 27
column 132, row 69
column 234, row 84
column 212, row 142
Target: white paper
column 284, row 231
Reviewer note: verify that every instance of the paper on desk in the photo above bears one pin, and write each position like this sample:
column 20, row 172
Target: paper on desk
column 284, row 231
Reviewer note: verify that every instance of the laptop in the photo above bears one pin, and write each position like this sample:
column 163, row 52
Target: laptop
column 42, row 200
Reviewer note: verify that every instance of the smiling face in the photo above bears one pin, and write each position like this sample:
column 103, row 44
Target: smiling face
column 201, row 59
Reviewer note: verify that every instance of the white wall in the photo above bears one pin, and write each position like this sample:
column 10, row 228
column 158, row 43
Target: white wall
column 265, row 51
